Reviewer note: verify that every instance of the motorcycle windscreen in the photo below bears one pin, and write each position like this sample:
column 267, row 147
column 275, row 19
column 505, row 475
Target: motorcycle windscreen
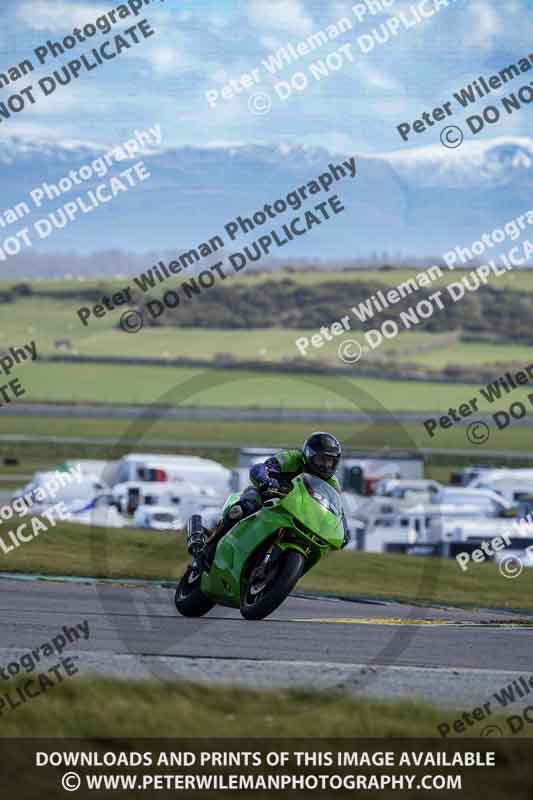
column 318, row 507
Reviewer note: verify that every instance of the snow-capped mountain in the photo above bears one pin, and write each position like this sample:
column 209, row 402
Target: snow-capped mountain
column 421, row 201
column 498, row 161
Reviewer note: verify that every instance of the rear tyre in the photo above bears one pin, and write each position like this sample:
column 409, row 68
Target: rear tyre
column 261, row 596
column 189, row 599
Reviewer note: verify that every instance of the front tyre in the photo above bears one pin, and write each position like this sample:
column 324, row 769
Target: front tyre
column 264, row 591
column 189, row 599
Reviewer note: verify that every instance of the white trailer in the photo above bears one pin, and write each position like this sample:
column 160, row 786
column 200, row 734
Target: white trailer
column 128, row 496
column 156, row 468
column 379, row 525
column 512, row 484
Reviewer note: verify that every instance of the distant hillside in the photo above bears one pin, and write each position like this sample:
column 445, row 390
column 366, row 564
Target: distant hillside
column 421, row 201
column 497, row 314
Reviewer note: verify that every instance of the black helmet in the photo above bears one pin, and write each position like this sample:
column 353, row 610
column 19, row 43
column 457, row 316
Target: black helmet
column 322, row 452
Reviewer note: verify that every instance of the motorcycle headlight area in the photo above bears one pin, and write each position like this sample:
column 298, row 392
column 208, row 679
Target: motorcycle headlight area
column 322, row 499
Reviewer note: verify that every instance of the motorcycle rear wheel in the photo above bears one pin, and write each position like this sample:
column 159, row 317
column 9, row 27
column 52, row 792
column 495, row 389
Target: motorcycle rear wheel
column 257, row 603
column 189, row 599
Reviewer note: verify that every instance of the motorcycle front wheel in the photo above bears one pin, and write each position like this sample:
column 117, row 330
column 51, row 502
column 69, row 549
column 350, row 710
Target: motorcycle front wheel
column 265, row 590
column 189, row 599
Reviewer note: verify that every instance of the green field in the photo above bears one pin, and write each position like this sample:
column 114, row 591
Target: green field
column 48, row 321
column 147, row 385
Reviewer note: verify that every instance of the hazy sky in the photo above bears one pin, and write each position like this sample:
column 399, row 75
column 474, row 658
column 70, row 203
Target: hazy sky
column 201, row 45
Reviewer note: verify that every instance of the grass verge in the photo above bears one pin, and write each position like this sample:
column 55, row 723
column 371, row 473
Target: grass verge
column 146, row 385
column 130, row 553
column 110, row 715
column 105, row 707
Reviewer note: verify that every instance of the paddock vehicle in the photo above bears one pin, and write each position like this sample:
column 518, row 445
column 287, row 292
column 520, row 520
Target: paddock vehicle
column 468, row 501
column 414, row 491
column 127, row 497
column 259, row 561
column 513, row 484
column 158, row 518
column 159, row 469
column 76, row 496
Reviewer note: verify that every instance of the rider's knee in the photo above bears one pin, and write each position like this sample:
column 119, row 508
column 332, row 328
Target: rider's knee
column 250, row 502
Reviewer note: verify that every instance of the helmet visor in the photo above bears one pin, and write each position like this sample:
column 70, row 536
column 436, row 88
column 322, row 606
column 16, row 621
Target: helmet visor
column 323, row 464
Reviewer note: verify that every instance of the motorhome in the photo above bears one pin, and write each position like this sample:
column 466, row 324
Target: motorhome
column 470, row 501
column 158, row 518
column 128, row 496
column 512, row 484
column 96, row 469
column 462, row 530
column 379, row 527
column 389, row 523
column 465, row 476
column 361, row 474
column 155, row 468
column 77, row 496
column 410, row 491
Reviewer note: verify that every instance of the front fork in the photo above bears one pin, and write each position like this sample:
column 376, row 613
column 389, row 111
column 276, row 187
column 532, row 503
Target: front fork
column 276, row 548
column 288, row 542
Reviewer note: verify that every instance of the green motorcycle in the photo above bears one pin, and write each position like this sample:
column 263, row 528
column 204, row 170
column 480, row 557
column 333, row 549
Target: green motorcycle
column 259, row 561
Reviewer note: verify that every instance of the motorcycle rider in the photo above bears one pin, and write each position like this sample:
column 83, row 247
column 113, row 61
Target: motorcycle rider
column 320, row 456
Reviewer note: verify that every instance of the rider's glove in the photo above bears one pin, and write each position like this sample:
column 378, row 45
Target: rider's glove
column 269, row 485
column 259, row 475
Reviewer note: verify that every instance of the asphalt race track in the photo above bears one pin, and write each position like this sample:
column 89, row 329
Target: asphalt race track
column 376, row 648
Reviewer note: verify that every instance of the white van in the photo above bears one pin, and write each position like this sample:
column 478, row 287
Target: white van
column 88, row 467
column 409, row 491
column 383, row 525
column 128, row 496
column 465, row 529
column 469, row 501
column 158, row 518
column 76, row 496
column 156, row 468
column 512, row 484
